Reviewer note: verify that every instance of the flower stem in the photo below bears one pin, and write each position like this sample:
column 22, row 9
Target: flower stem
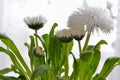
column 36, row 38
column 86, row 42
column 66, row 62
column 79, row 45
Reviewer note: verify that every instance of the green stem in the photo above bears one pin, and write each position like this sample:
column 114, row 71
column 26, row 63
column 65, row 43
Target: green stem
column 36, row 38
column 86, row 42
column 79, row 45
column 66, row 62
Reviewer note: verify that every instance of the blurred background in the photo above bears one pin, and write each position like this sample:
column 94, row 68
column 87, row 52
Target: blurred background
column 12, row 13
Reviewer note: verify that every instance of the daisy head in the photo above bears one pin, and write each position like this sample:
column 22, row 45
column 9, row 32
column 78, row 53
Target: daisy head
column 77, row 32
column 64, row 35
column 94, row 18
column 35, row 23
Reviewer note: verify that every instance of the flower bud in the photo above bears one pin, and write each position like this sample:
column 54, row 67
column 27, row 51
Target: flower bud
column 64, row 35
column 38, row 51
column 77, row 32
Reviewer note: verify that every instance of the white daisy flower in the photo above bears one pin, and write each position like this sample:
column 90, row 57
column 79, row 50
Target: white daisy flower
column 77, row 32
column 93, row 18
column 64, row 35
column 35, row 22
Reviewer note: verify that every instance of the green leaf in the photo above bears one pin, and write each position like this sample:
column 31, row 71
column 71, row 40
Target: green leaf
column 6, row 70
column 108, row 66
column 11, row 45
column 96, row 77
column 86, row 56
column 75, row 73
column 30, row 52
column 3, row 36
column 15, row 69
column 14, row 60
column 63, row 50
column 55, row 47
column 39, row 61
column 84, row 60
column 88, row 64
column 21, row 77
column 39, row 71
column 51, row 34
column 97, row 46
column 27, row 45
column 46, row 38
column 45, row 42
column 70, row 46
column 93, row 64
column 90, row 47
column 7, row 78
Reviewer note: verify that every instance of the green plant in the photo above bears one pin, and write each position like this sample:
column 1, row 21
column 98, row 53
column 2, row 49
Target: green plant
column 49, row 61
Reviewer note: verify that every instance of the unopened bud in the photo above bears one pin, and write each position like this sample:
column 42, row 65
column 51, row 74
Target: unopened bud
column 38, row 51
